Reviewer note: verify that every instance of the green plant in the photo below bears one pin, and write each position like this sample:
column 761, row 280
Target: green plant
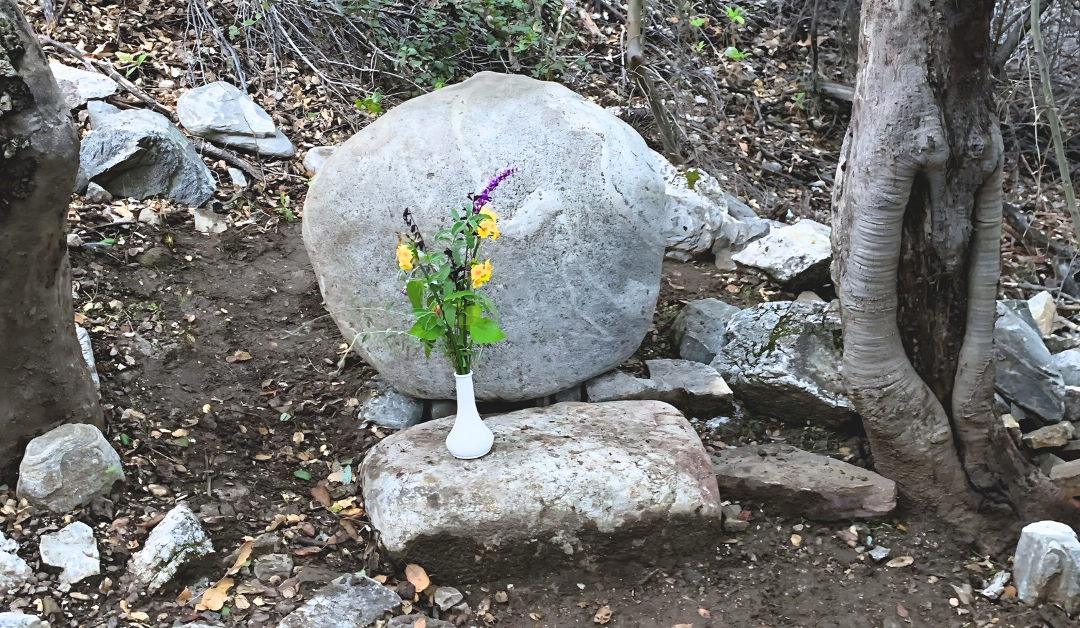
column 734, row 53
column 234, row 30
column 698, row 47
column 442, row 283
column 283, row 208
column 134, row 62
column 372, row 104
column 692, row 177
column 797, row 100
column 736, row 15
column 698, row 22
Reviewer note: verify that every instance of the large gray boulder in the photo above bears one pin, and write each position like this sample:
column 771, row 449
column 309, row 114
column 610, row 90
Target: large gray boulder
column 222, row 113
column 693, row 215
column 349, row 601
column 138, row 153
column 799, row 254
column 79, row 86
column 67, row 467
column 699, row 329
column 1025, row 370
column 176, row 541
column 796, row 483
column 576, row 271
column 562, row 483
column 783, row 359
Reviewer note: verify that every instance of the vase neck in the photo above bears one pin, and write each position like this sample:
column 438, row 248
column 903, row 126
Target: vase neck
column 465, row 395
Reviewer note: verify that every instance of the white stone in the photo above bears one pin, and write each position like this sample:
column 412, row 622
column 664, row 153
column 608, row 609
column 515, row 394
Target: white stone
column 692, row 217
column 13, row 571
column 67, row 467
column 237, row 177
column 79, row 86
column 316, row 157
column 808, row 295
column 88, row 354
column 74, row 241
column 448, row 597
column 1043, row 311
column 222, row 108
column 1047, row 566
column 797, row 254
column 350, row 601
column 8, row 545
column 74, row 549
column 580, row 222
column 996, row 586
column 178, row 539
column 562, row 480
column 150, row 217
column 97, row 194
column 19, row 620
column 206, row 221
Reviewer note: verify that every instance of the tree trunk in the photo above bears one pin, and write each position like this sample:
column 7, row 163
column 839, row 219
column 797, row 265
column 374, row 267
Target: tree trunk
column 44, row 381
column 916, row 240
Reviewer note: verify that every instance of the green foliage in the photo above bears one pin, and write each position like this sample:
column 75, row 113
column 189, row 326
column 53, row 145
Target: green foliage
column 736, row 54
column 692, row 177
column 430, row 43
column 697, row 22
column 283, row 208
column 797, row 100
column 132, row 61
column 736, row 15
column 302, row 474
column 234, row 30
column 372, row 104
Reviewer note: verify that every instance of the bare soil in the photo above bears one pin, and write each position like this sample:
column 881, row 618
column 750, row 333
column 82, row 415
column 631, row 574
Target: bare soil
column 219, row 374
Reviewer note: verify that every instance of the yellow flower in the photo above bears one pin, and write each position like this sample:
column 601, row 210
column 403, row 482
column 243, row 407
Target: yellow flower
column 480, row 274
column 488, row 227
column 404, row 257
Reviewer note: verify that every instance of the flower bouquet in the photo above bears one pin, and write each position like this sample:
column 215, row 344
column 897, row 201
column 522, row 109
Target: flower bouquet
column 442, row 280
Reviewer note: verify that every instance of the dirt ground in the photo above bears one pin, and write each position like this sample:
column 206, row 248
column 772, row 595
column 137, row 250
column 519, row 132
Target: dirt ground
column 219, row 371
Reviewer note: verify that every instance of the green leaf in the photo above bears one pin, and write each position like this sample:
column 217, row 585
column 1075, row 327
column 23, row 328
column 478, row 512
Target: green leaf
column 346, row 475
column 125, row 440
column 485, row 332
column 423, row 333
column 415, row 288
column 183, row 441
column 692, row 177
column 472, row 316
column 302, row 474
column 125, row 57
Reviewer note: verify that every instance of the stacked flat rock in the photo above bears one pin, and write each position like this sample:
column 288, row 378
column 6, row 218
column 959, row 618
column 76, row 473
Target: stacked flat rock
column 223, row 114
column 598, row 478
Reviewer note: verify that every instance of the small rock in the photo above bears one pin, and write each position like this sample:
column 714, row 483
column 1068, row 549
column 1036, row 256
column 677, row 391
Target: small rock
column 879, row 553
column 148, row 216
column 156, row 257
column 88, row 353
column 1047, row 462
column 1068, row 364
column 178, row 539
column 799, row 254
column 97, row 194
column 1025, row 371
column 783, row 360
column 1062, row 342
column 1043, row 311
column 997, row 585
column 222, row 113
column 316, row 157
column 441, row 408
column 1050, row 436
column 692, row 217
column 74, row 241
column 732, row 522
column 693, row 387
column 392, row 409
column 1066, row 476
column 67, row 467
column 137, row 153
column 265, row 543
column 1047, row 566
column 797, row 483
column 19, row 620
column 73, row 549
column 447, row 598
column 13, row 571
column 406, row 590
column 206, row 221
column 79, row 86
column 8, row 545
column 964, row 593
column 408, row 621
column 237, row 177
column 736, row 233
column 808, row 295
column 619, row 386
column 699, row 329
column 271, row 565
column 350, row 601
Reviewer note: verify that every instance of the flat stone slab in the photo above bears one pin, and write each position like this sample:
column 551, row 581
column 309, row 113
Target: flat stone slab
column 562, row 482
column 796, row 483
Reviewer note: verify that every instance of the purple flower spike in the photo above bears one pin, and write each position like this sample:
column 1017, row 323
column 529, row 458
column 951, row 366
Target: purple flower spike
column 485, row 195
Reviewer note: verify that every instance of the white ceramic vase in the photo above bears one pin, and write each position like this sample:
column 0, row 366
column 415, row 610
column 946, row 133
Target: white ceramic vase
column 470, row 438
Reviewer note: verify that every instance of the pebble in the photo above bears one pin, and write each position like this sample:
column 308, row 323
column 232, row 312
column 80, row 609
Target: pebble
column 447, row 597
column 879, row 553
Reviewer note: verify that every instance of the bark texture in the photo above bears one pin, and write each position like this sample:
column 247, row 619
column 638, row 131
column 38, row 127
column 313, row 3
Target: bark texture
column 916, row 240
column 43, row 379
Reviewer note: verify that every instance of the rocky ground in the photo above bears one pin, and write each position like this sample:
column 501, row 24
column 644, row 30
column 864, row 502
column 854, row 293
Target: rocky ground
column 228, row 388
